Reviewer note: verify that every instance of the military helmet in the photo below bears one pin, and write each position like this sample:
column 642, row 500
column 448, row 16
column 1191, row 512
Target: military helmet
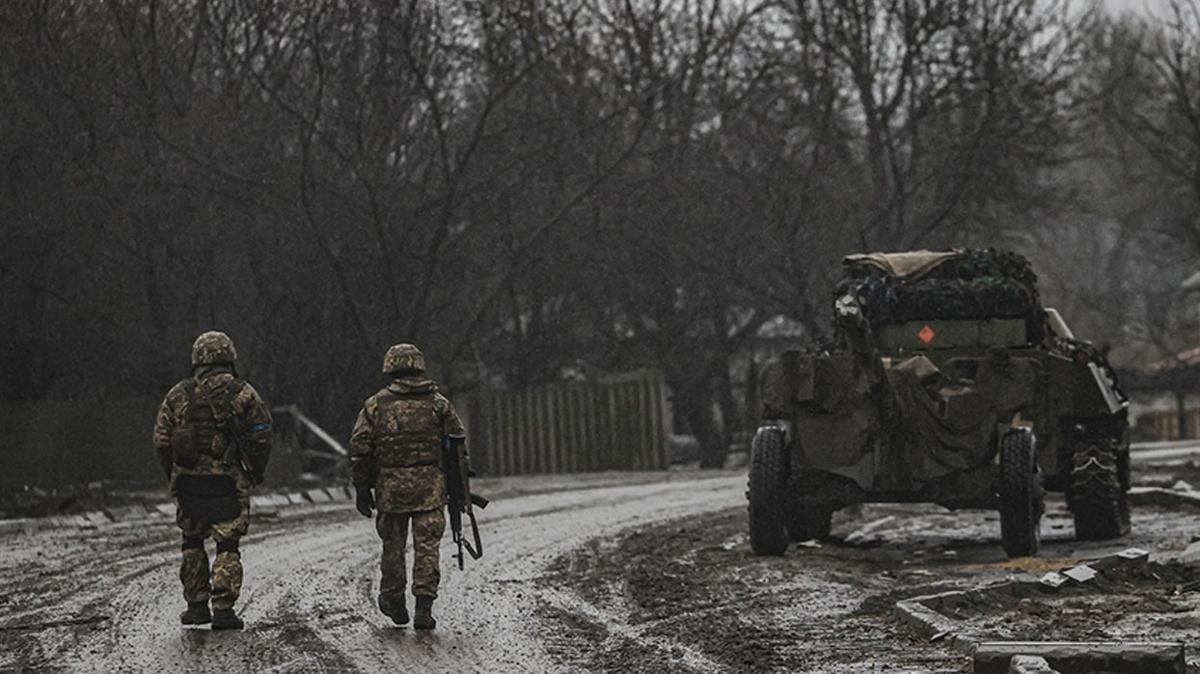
column 403, row 358
column 213, row 348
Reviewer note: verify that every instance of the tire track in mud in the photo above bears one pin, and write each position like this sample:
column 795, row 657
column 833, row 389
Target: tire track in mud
column 688, row 595
column 309, row 595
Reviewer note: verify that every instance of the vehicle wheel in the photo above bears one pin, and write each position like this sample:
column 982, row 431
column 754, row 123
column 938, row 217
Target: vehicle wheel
column 805, row 523
column 1021, row 498
column 768, row 492
column 1096, row 494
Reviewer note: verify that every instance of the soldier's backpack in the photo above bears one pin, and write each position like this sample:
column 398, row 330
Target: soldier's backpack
column 210, row 498
column 204, row 418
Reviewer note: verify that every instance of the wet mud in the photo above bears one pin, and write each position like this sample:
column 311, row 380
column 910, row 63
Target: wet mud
column 653, row 576
column 690, row 596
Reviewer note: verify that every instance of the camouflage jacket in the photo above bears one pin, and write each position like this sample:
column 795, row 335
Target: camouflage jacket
column 251, row 418
column 396, row 445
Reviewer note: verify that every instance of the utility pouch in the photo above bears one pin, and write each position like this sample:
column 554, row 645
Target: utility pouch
column 208, row 498
column 183, row 447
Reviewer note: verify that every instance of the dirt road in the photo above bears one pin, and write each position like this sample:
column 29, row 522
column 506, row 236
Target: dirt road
column 108, row 599
column 653, row 576
column 688, row 596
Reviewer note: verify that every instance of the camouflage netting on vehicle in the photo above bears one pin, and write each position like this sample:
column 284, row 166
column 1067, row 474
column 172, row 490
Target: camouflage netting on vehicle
column 973, row 285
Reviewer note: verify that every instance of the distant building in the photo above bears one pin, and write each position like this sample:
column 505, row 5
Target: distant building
column 1166, row 398
column 1165, row 395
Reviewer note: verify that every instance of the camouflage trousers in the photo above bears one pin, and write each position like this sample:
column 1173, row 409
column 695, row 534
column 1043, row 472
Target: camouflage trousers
column 223, row 583
column 427, row 529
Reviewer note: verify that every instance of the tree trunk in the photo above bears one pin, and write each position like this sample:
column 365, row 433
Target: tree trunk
column 697, row 407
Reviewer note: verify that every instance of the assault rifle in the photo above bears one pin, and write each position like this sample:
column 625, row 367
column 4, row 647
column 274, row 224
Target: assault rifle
column 235, row 449
column 458, row 487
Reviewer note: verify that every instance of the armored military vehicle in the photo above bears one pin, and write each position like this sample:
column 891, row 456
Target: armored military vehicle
column 945, row 381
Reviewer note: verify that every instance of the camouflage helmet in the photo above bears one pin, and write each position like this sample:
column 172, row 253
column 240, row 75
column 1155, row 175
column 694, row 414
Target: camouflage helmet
column 403, row 358
column 213, row 348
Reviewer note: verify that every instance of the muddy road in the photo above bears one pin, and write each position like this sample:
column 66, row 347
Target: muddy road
column 655, row 576
column 108, row 599
column 687, row 595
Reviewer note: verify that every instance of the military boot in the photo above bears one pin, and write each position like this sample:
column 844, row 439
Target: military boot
column 196, row 614
column 394, row 608
column 226, row 619
column 424, row 618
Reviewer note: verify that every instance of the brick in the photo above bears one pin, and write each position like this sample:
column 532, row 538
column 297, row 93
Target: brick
column 1085, row 657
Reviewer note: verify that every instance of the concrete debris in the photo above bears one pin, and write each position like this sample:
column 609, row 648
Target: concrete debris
column 1166, row 498
column 869, row 527
column 1181, row 485
column 133, row 512
column 1053, row 580
column 125, row 513
column 317, row 496
column 1129, row 558
column 339, row 493
column 95, row 518
column 1191, row 555
column 65, row 522
column 1147, row 657
column 1080, row 574
column 24, row 525
column 260, row 503
column 1030, row 664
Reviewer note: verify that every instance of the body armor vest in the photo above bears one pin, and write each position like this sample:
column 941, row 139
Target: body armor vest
column 204, row 419
column 410, row 434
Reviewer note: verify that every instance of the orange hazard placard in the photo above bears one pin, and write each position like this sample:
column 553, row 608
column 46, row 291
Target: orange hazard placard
column 926, row 334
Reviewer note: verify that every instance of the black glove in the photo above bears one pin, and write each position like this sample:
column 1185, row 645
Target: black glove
column 363, row 500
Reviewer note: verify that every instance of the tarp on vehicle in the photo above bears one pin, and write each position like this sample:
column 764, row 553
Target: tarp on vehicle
column 946, row 424
column 909, row 265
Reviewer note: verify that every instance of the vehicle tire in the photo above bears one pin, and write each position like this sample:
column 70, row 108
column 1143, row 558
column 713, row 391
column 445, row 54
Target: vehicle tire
column 1096, row 494
column 768, row 492
column 1021, row 497
column 805, row 523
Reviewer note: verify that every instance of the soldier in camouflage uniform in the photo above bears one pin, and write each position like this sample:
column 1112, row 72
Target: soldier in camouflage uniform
column 213, row 439
column 395, row 449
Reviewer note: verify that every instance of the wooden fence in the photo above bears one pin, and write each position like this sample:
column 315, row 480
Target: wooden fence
column 615, row 423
